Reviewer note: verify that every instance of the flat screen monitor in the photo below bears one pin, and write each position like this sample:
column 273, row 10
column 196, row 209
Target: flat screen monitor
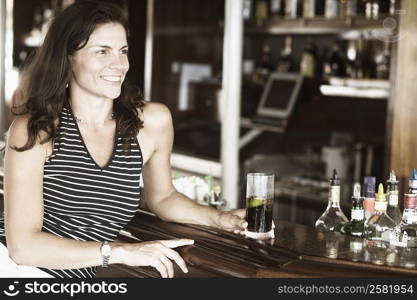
column 279, row 95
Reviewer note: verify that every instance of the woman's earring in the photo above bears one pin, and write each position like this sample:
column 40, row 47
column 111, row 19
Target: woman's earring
column 66, row 86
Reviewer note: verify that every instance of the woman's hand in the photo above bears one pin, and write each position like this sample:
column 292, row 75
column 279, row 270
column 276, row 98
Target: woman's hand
column 233, row 220
column 157, row 254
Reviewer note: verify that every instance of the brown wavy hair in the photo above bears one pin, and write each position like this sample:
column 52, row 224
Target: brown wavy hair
column 43, row 86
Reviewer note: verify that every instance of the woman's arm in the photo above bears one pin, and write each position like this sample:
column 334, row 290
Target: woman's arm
column 23, row 181
column 160, row 194
column 28, row 245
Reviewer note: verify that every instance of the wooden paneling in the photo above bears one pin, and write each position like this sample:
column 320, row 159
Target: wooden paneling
column 403, row 144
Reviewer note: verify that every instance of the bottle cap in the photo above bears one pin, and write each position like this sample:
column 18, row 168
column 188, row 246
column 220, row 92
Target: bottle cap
column 356, row 190
column 380, row 196
column 412, row 182
column 392, row 178
column 414, row 174
column 369, row 186
column 334, row 180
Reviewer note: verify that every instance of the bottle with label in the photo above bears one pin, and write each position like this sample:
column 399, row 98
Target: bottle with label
column 325, row 70
column 375, row 9
column 392, row 191
column 368, row 9
column 286, row 60
column 331, row 9
column 352, row 7
column 261, row 12
column 291, row 8
column 358, row 67
column 379, row 227
column 361, row 8
column 343, row 5
column 368, row 60
column 276, row 7
column 247, row 9
column 264, row 66
column 336, row 60
column 369, row 195
column 309, row 8
column 308, row 59
column 351, row 56
column 333, row 218
column 383, row 62
column 405, row 233
column 320, row 7
column 356, row 225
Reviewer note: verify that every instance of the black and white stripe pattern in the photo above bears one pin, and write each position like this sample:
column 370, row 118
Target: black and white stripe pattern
column 82, row 200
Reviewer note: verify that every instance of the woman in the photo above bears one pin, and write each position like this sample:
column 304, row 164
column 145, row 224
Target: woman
column 74, row 156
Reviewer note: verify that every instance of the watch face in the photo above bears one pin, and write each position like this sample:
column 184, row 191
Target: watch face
column 105, row 250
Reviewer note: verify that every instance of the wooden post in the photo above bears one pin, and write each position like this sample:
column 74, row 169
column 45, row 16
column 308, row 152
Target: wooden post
column 402, row 120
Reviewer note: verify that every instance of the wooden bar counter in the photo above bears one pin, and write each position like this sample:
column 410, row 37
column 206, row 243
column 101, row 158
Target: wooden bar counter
column 296, row 251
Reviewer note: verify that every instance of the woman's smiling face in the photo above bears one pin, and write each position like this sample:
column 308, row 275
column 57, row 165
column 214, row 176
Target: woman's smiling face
column 100, row 67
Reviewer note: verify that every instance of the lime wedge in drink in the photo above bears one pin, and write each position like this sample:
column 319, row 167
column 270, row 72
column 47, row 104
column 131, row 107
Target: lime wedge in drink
column 253, row 202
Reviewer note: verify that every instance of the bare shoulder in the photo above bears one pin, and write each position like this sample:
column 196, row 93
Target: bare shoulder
column 18, row 131
column 17, row 135
column 156, row 116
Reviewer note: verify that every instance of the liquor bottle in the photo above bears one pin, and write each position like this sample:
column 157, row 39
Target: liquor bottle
column 392, row 191
column 392, row 7
column 375, row 9
column 325, row 70
column 286, row 60
column 276, row 7
column 337, row 65
column 361, row 8
column 356, row 225
column 372, row 9
column 261, row 12
column 352, row 6
column 383, row 62
column 343, row 5
column 368, row 9
column 379, row 227
column 308, row 59
column 405, row 233
column 351, row 56
column 309, row 8
column 265, row 63
column 331, row 9
column 320, row 7
column 384, row 7
column 291, row 8
column 333, row 217
column 247, row 9
column 368, row 60
column 369, row 196
column 412, row 183
column 358, row 67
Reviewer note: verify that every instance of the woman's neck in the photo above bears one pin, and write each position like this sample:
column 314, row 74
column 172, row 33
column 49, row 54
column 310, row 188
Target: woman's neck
column 92, row 111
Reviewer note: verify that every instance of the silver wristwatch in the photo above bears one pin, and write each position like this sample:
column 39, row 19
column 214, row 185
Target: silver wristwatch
column 105, row 250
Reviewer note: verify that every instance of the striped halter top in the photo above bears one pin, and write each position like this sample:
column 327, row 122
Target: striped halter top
column 83, row 201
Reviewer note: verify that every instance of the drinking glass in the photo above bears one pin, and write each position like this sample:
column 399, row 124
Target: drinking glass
column 259, row 199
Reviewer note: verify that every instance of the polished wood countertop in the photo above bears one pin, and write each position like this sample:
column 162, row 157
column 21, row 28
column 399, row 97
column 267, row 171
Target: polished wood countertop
column 296, row 251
